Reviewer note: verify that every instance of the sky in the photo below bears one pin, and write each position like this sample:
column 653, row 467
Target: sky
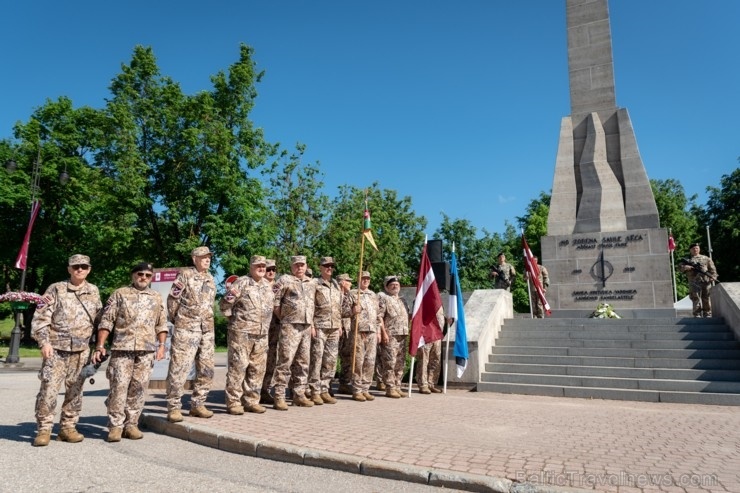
column 454, row 104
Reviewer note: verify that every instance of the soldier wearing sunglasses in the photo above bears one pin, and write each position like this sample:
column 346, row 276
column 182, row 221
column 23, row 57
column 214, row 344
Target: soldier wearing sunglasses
column 62, row 325
column 136, row 316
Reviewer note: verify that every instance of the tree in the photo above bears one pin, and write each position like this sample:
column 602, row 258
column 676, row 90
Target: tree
column 675, row 211
column 476, row 254
column 179, row 166
column 398, row 232
column 722, row 215
column 299, row 208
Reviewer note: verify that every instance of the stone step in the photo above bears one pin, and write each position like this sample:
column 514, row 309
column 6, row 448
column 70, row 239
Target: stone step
column 717, row 335
column 545, row 327
column 620, row 352
column 616, row 372
column 669, row 363
column 720, row 387
column 618, row 343
column 611, row 322
column 705, row 398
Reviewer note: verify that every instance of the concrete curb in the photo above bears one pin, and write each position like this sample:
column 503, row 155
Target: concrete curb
column 282, row 452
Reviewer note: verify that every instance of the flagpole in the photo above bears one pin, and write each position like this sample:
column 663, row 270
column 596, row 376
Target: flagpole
column 529, row 293
column 413, row 358
column 359, row 279
column 447, row 351
column 673, row 271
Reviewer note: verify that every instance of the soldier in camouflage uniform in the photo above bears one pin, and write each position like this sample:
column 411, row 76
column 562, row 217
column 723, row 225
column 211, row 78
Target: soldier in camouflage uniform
column 699, row 270
column 272, row 339
column 345, row 342
column 503, row 273
column 136, row 314
column 190, row 310
column 394, row 331
column 429, row 363
column 544, row 278
column 62, row 325
column 327, row 320
column 363, row 305
column 249, row 305
column 294, row 307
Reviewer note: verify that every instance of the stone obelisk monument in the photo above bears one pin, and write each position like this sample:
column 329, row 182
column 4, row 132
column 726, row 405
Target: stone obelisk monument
column 604, row 242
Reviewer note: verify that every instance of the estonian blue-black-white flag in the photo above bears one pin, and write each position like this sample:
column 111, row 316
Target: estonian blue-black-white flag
column 456, row 312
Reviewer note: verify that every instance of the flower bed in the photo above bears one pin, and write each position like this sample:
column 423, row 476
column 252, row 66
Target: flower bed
column 17, row 298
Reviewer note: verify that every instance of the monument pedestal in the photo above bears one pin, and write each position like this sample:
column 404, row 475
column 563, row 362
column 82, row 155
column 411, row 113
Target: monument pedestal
column 630, row 270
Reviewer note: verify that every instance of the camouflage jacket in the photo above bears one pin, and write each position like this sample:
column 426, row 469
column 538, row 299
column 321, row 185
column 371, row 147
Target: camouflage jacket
column 61, row 319
column 369, row 317
column 704, row 264
column 295, row 299
column 135, row 318
column 249, row 305
column 190, row 302
column 544, row 277
column 506, row 274
column 328, row 307
column 395, row 314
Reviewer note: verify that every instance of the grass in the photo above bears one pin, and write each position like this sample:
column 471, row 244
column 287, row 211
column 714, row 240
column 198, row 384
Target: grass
column 6, row 326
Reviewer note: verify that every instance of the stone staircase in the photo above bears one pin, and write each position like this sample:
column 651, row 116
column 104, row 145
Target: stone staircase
column 682, row 360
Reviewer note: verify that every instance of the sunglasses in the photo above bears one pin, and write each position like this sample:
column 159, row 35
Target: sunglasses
column 148, row 275
column 271, row 269
column 80, row 267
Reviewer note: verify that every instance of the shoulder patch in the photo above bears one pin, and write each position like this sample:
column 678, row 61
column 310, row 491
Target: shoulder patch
column 45, row 300
column 177, row 288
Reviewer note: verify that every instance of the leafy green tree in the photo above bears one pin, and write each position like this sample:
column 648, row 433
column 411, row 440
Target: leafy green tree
column 299, row 208
column 476, row 253
column 722, row 215
column 180, row 167
column 398, row 233
column 676, row 213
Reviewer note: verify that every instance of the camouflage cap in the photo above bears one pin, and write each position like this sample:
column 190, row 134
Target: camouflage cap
column 297, row 259
column 141, row 267
column 327, row 261
column 694, row 245
column 344, row 277
column 270, row 262
column 309, row 272
column 258, row 260
column 390, row 279
column 78, row 259
column 365, row 274
column 201, row 251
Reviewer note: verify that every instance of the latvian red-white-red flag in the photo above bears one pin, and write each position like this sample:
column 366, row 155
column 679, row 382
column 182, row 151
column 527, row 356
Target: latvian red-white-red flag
column 534, row 274
column 20, row 261
column 425, row 326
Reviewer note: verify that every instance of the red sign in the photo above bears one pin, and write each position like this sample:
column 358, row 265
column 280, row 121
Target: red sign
column 165, row 275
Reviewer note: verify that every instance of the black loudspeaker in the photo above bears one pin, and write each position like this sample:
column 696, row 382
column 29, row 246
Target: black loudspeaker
column 434, row 250
column 442, row 275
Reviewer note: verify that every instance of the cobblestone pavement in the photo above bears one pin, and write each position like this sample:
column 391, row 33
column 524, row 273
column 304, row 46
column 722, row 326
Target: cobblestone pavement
column 519, row 443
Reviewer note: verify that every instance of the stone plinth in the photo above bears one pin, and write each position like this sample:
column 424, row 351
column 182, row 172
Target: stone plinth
column 627, row 269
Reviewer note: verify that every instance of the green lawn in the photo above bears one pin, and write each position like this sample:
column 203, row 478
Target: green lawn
column 6, row 326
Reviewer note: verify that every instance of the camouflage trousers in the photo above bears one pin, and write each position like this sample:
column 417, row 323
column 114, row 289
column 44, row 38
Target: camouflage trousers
column 345, row 356
column 293, row 357
column 272, row 342
column 128, row 375
column 246, row 371
column 324, row 350
column 367, row 346
column 699, row 294
column 428, row 364
column 190, row 346
column 61, row 367
column 393, row 361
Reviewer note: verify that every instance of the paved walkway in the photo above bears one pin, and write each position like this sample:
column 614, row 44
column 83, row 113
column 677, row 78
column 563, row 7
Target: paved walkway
column 486, row 441
column 489, row 442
